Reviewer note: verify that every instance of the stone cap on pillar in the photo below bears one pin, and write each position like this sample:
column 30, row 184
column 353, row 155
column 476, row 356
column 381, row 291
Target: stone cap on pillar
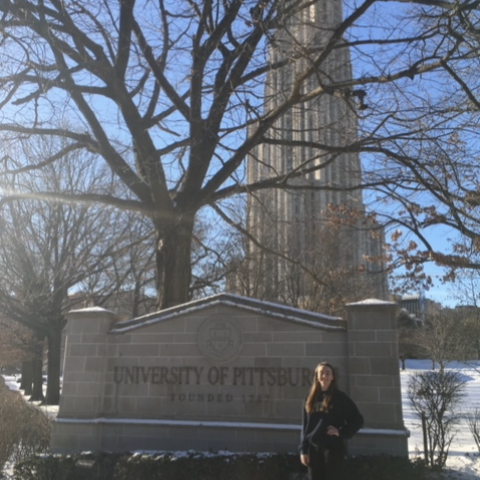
column 370, row 302
column 88, row 312
column 103, row 319
column 371, row 314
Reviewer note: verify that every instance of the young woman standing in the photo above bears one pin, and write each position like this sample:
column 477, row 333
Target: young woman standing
column 329, row 418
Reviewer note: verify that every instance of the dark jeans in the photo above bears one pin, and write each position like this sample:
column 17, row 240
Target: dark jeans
column 327, row 463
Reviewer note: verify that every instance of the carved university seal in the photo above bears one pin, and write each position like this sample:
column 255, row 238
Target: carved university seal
column 219, row 338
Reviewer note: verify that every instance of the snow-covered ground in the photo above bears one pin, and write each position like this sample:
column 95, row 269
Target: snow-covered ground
column 464, row 460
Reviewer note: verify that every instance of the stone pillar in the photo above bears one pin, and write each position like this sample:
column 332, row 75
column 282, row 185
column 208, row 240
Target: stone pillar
column 83, row 380
column 374, row 377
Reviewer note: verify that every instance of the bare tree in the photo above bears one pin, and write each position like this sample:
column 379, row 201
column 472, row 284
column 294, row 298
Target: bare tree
column 16, row 343
column 171, row 97
column 435, row 396
column 465, row 290
column 473, row 422
column 22, row 348
column 431, row 170
column 443, row 338
column 409, row 331
column 326, row 282
column 127, row 283
column 47, row 247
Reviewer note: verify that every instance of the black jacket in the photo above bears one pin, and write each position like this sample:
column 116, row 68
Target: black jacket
column 343, row 414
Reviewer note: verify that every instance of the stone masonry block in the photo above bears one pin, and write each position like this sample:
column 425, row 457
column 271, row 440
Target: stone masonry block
column 112, row 350
column 324, row 350
column 69, row 389
column 249, row 323
column 253, row 409
column 82, row 350
column 127, row 405
column 118, row 361
column 184, row 338
column 138, row 350
column 81, row 377
column 273, row 325
column 362, row 336
column 378, row 415
column 382, row 381
column 92, row 326
column 88, row 389
column 198, row 361
column 291, row 393
column 371, row 321
column 93, row 364
column 133, row 390
column 389, row 395
column 298, row 337
column 384, row 366
column 335, row 337
column 183, row 350
column 80, row 406
column 299, row 362
column 285, row 349
column 267, row 361
column 220, row 435
column 222, row 407
column 252, row 337
column 254, row 350
column 365, row 395
column 370, row 349
column 76, row 364
column 109, row 406
column 288, row 409
column 117, row 339
column 386, row 336
column 155, row 338
column 125, row 443
column 183, row 432
column 92, row 337
column 167, row 326
column 360, row 366
column 398, row 414
column 101, row 349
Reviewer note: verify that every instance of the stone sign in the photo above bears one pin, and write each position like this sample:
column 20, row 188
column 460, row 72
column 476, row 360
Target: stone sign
column 225, row 372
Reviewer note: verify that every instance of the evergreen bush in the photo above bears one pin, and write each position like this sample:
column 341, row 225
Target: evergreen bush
column 205, row 466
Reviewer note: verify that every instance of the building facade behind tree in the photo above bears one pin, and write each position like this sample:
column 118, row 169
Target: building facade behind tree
column 314, row 246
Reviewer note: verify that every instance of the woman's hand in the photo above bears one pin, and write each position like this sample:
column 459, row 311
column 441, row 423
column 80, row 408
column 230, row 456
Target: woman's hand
column 333, row 431
column 305, row 459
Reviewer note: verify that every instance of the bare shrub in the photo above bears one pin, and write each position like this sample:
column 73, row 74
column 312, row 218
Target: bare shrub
column 473, row 422
column 436, row 394
column 25, row 429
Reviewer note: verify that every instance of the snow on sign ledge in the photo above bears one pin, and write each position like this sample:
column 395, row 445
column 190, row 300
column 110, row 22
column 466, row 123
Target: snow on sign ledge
column 283, row 312
column 371, row 301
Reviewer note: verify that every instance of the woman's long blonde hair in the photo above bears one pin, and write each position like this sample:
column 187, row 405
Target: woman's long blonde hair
column 315, row 388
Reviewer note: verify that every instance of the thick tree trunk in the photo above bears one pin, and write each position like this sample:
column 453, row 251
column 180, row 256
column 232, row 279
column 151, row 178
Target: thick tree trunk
column 27, row 377
column 54, row 340
column 173, row 262
column 37, row 391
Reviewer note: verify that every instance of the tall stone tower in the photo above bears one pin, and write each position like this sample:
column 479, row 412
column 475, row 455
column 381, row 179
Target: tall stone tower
column 313, row 241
